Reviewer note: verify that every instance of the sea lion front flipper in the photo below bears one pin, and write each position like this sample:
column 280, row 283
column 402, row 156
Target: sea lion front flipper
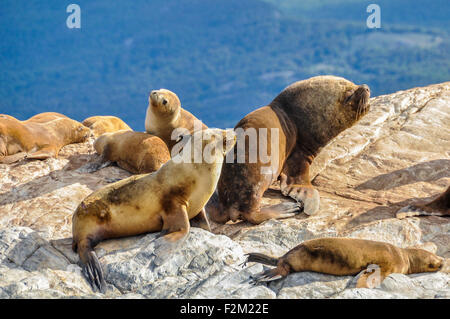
column 176, row 222
column 295, row 183
column 9, row 159
column 307, row 195
column 42, row 154
column 201, row 221
column 278, row 211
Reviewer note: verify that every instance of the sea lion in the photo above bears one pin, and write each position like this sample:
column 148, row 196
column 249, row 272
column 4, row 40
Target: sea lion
column 136, row 152
column 40, row 137
column 348, row 256
column 105, row 124
column 165, row 114
column 306, row 116
column 437, row 207
column 164, row 200
column 45, row 117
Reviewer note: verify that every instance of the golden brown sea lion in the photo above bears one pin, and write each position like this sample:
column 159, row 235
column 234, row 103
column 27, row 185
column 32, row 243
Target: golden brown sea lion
column 136, row 152
column 39, row 137
column 45, row 117
column 291, row 130
column 437, row 207
column 105, row 124
column 348, row 256
column 164, row 200
column 165, row 114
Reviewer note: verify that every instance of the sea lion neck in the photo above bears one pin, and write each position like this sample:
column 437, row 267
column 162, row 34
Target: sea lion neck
column 415, row 264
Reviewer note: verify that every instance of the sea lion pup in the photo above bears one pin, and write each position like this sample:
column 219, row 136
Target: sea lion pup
column 164, row 200
column 165, row 114
column 105, row 124
column 438, row 207
column 136, row 152
column 348, row 256
column 300, row 121
column 40, row 137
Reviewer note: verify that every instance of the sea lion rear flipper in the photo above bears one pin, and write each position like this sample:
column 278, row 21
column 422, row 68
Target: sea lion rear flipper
column 91, row 266
column 42, row 154
column 95, row 166
column 176, row 222
column 265, row 276
column 12, row 158
column 261, row 258
column 437, row 207
column 201, row 221
column 278, row 211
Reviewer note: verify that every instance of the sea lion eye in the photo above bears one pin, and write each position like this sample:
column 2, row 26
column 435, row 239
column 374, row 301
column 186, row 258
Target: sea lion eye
column 164, row 101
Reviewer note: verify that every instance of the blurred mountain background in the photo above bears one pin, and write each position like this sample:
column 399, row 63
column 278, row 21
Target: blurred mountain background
column 223, row 58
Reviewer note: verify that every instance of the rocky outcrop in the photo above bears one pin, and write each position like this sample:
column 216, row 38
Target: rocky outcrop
column 397, row 155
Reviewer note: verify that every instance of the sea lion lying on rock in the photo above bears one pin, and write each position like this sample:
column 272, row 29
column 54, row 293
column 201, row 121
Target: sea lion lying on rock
column 136, row 152
column 291, row 130
column 164, row 200
column 105, row 124
column 348, row 256
column 40, row 137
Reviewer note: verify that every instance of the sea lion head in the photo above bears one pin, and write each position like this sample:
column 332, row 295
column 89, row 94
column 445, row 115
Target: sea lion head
column 421, row 260
column 356, row 99
column 80, row 133
column 164, row 101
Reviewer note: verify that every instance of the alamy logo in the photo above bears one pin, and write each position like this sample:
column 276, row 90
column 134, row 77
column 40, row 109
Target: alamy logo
column 374, row 279
column 374, row 20
column 74, row 19
column 258, row 147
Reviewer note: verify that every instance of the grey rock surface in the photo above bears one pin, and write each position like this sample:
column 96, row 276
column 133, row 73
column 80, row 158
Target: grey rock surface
column 396, row 156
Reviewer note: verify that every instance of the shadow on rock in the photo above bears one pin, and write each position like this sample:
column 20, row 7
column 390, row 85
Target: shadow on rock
column 55, row 180
column 422, row 172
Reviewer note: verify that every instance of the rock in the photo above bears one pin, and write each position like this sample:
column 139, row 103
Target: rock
column 396, row 156
column 310, row 285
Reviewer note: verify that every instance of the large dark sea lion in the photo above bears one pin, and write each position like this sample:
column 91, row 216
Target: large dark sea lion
column 298, row 123
column 164, row 200
column 349, row 256
column 40, row 137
